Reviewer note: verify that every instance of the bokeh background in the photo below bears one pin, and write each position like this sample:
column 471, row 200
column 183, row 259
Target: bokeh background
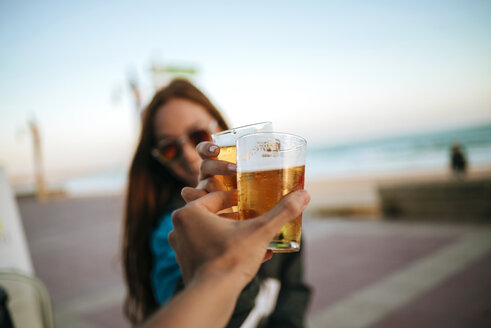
column 380, row 89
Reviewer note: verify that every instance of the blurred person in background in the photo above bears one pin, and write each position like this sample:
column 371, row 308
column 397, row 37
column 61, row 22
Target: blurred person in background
column 458, row 162
column 177, row 119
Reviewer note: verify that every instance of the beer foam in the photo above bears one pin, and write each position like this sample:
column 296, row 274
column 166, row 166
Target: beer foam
column 229, row 137
column 263, row 152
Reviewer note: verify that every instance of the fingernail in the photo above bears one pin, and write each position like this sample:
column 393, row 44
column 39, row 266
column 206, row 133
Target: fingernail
column 213, row 149
column 232, row 167
column 306, row 197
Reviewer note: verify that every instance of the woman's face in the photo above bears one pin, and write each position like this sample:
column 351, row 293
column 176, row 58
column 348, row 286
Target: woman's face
column 177, row 118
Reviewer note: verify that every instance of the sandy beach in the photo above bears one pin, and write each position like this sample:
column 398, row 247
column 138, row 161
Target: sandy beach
column 357, row 194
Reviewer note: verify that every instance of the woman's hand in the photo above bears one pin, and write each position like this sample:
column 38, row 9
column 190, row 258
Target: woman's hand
column 210, row 171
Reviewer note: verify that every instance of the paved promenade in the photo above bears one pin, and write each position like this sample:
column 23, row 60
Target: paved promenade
column 366, row 273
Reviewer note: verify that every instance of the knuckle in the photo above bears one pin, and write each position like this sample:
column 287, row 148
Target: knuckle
column 203, row 166
column 181, row 217
column 172, row 238
column 178, row 217
column 191, row 209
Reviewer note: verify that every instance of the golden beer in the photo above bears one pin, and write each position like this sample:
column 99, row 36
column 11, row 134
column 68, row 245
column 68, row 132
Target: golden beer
column 260, row 191
column 228, row 154
column 226, row 141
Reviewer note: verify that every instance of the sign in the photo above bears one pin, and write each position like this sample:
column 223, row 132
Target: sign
column 14, row 253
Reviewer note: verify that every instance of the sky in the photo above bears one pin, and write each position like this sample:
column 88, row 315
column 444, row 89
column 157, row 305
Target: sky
column 331, row 71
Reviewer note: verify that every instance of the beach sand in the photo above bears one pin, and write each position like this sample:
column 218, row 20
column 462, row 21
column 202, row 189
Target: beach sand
column 357, row 195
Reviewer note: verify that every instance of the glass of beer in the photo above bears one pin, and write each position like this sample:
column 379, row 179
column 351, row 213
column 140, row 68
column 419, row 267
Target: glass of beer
column 271, row 165
column 226, row 141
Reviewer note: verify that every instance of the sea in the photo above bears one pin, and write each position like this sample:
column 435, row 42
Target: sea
column 396, row 154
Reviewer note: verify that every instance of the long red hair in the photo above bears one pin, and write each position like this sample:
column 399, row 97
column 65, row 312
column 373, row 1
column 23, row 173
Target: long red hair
column 151, row 188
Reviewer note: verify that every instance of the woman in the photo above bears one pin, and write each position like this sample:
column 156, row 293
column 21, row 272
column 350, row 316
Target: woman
column 177, row 119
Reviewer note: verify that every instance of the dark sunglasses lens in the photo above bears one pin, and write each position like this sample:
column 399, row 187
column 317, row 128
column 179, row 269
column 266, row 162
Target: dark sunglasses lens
column 169, row 151
column 199, row 136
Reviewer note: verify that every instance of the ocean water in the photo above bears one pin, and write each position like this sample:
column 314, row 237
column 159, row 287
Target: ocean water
column 388, row 155
column 400, row 154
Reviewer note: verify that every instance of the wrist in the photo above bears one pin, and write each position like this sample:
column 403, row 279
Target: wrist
column 229, row 280
column 209, row 296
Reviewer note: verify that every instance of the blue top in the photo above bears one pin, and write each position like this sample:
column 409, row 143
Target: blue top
column 166, row 271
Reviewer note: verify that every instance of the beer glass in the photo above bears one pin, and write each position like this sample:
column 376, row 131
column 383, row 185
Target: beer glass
column 226, row 141
column 271, row 165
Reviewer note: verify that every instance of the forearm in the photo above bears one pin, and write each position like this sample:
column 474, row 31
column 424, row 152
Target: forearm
column 205, row 302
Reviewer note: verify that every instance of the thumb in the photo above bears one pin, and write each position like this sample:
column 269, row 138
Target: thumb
column 290, row 207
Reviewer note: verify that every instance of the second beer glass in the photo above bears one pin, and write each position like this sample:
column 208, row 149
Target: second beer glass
column 226, row 141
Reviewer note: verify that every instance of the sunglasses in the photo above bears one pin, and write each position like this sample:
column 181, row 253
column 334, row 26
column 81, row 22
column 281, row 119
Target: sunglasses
column 170, row 149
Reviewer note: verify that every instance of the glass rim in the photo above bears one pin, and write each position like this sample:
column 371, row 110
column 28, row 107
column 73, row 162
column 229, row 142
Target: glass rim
column 274, row 132
column 241, row 128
